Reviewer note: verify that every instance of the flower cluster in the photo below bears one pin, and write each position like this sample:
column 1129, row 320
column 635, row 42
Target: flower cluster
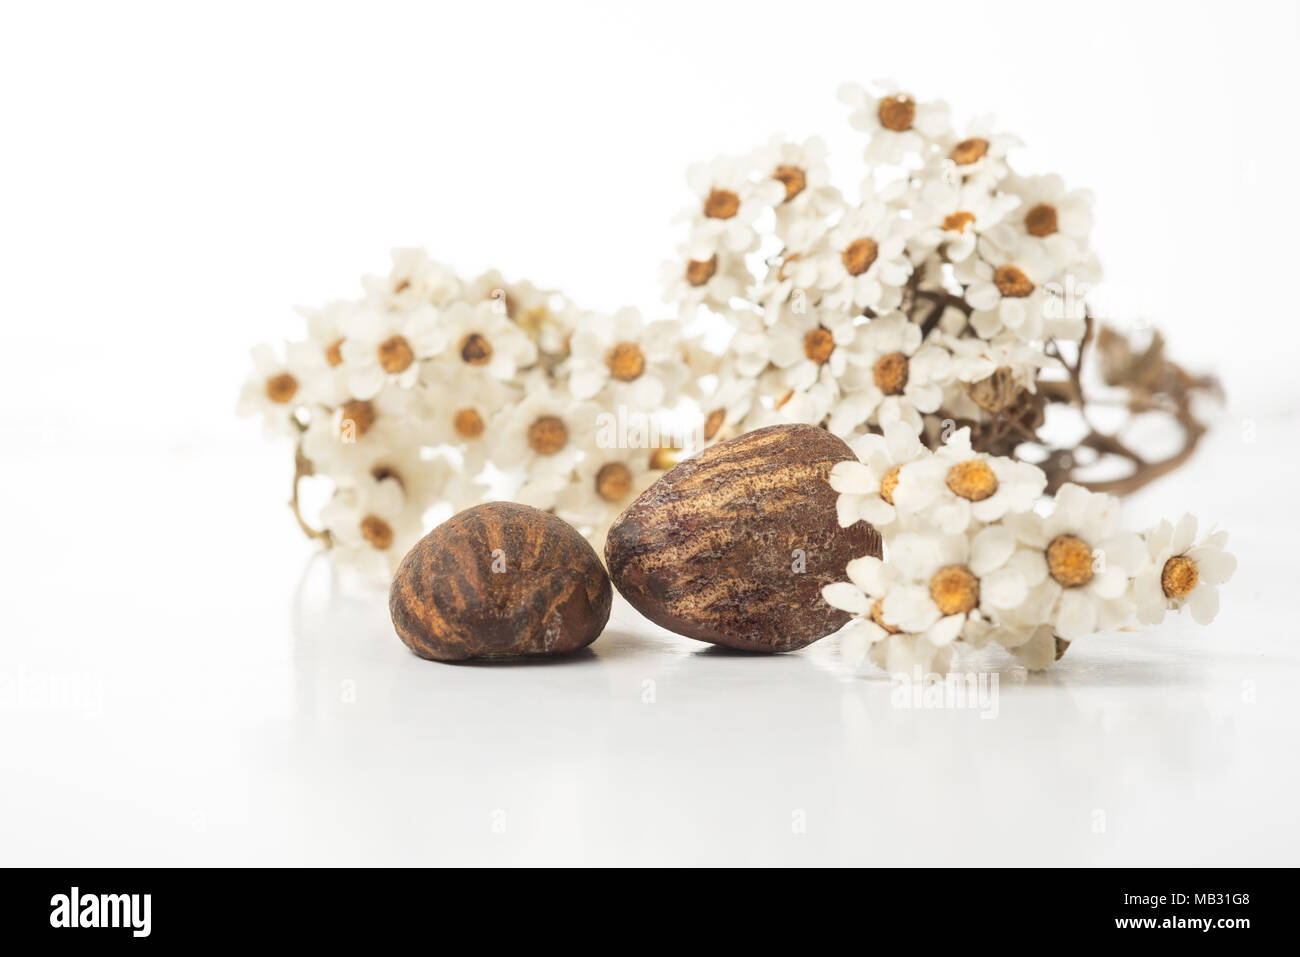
column 429, row 387
column 969, row 560
column 940, row 293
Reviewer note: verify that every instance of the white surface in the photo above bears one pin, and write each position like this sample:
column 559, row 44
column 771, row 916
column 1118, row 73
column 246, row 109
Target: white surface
column 173, row 180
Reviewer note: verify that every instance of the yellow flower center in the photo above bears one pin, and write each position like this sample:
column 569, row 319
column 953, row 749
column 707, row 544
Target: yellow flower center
column 626, row 361
column 972, row 480
column 957, row 222
column 475, row 349
column 818, row 345
column 890, row 373
column 877, row 615
column 955, row 589
column 859, row 255
column 792, row 178
column 663, row 458
column 396, row 354
column 897, row 112
column 468, row 423
column 613, row 481
column 547, row 435
column 1179, row 576
column 334, row 353
column 1012, row 283
column 969, row 151
column 358, row 417
column 721, row 204
column 377, row 532
column 700, row 271
column 889, row 483
column 1041, row 220
column 1069, row 560
column 281, row 388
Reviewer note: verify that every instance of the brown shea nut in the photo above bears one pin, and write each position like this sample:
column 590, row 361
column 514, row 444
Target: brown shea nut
column 499, row 580
column 734, row 545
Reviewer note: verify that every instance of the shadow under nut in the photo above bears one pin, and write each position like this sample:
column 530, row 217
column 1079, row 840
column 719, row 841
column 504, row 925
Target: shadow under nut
column 500, row 580
column 712, row 550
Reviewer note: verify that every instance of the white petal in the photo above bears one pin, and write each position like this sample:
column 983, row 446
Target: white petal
column 846, row 597
column 1213, row 565
column 1204, row 603
column 853, row 478
column 991, row 548
column 1076, row 616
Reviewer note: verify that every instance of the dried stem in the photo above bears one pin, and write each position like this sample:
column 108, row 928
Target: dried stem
column 302, row 468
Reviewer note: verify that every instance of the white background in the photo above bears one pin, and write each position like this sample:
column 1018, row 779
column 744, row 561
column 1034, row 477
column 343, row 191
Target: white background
column 173, row 179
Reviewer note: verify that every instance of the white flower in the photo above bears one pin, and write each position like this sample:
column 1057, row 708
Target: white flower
column 1006, row 289
column 1087, row 560
column 895, row 378
column 543, row 436
column 952, row 216
column 970, row 578
column 729, row 203
column 862, row 596
column 957, row 485
column 483, row 337
column 806, row 345
column 1180, row 572
column 371, row 526
column 1053, row 220
column 634, row 362
column 713, row 282
column 275, row 389
column 388, row 347
column 899, row 126
column 866, row 486
column 414, row 280
column 459, row 407
column 866, row 264
column 801, row 170
column 604, row 483
column 980, row 152
column 342, row 440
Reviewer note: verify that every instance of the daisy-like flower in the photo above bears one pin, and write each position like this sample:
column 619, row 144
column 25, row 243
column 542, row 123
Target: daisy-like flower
column 866, row 486
column 414, row 280
column 899, row 126
column 730, row 201
column 544, row 435
column 343, row 440
column 980, row 151
column 458, row 407
column 866, row 264
column 372, row 526
column 483, row 338
column 820, row 339
column 780, row 404
column 1088, row 563
column 691, row 283
column 386, row 348
column 801, row 170
column 633, row 362
column 896, row 377
column 790, row 286
column 1053, row 220
column 604, row 483
column 1006, row 289
column 871, row 635
column 952, row 216
column 1182, row 572
column 957, row 485
column 274, row 390
column 970, row 578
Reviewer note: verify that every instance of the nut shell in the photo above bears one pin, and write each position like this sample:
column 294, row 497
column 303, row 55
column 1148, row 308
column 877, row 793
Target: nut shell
column 709, row 550
column 500, row 580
